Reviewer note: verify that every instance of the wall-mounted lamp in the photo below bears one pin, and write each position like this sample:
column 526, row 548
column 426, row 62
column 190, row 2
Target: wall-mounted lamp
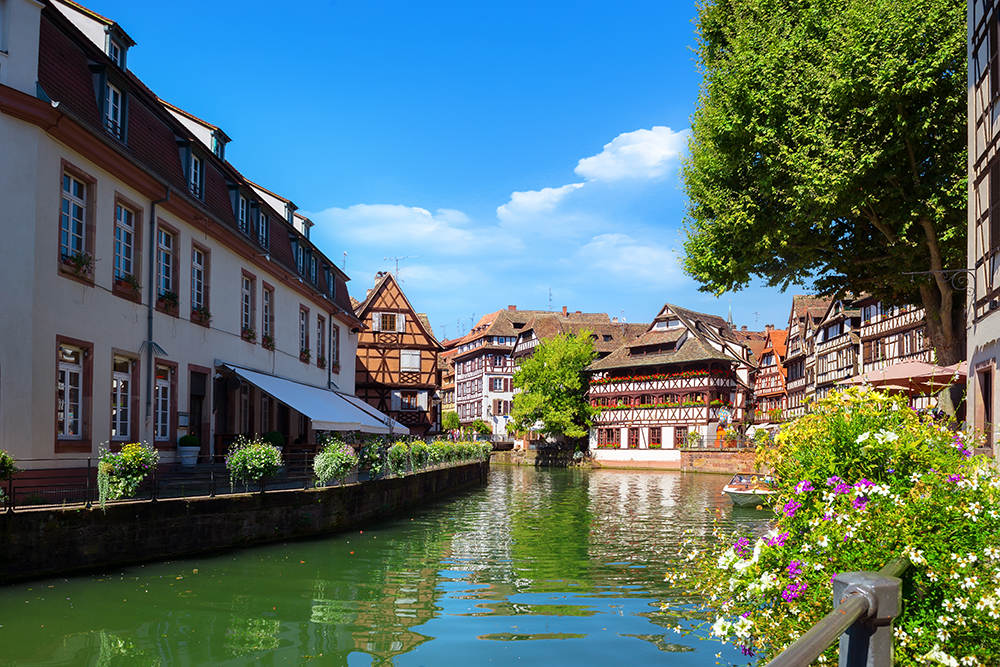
column 355, row 330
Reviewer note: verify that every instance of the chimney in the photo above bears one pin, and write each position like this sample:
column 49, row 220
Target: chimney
column 614, row 320
column 744, row 328
column 511, row 307
column 564, row 312
column 578, row 312
column 769, row 327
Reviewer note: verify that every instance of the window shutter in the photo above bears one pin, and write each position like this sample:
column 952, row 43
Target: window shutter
column 376, row 321
column 395, row 400
column 401, row 323
column 506, row 407
column 422, row 400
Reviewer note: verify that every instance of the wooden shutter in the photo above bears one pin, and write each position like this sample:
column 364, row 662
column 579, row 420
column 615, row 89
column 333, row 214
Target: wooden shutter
column 422, row 400
column 396, row 400
column 376, row 321
column 400, row 323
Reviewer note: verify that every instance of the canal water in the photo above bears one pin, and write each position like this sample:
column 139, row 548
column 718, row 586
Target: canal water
column 538, row 567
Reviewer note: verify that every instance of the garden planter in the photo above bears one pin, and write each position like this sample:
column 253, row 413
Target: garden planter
column 188, row 456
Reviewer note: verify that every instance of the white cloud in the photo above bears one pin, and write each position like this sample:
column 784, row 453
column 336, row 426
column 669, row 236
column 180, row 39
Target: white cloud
column 621, row 256
column 643, row 154
column 534, row 202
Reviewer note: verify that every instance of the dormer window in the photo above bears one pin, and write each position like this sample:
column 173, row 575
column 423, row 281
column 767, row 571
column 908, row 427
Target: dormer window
column 116, row 52
column 312, row 268
column 113, row 110
column 218, row 145
column 195, row 175
column 243, row 214
column 331, row 284
column 300, row 258
column 264, row 231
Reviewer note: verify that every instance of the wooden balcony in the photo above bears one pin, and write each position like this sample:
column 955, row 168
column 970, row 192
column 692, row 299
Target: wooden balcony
column 683, row 385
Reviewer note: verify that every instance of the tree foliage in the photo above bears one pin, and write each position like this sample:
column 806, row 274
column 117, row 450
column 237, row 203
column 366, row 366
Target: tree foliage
column 829, row 150
column 553, row 387
column 450, row 421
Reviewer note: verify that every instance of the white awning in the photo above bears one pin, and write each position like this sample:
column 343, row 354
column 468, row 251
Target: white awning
column 328, row 410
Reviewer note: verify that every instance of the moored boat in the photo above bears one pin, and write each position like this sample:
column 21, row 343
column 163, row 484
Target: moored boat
column 749, row 490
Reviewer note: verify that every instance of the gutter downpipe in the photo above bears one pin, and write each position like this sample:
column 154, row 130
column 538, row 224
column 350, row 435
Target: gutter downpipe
column 150, row 371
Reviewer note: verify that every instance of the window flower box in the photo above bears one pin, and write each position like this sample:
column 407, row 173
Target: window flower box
column 335, row 366
column 249, row 334
column 169, row 302
column 268, row 342
column 321, row 361
column 202, row 316
column 305, row 356
column 80, row 264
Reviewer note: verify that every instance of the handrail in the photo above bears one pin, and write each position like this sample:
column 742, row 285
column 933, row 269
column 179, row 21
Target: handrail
column 864, row 605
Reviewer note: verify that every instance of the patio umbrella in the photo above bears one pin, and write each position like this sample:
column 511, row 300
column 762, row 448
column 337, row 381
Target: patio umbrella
column 912, row 377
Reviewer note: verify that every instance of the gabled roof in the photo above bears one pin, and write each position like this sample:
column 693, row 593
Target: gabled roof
column 692, row 350
column 808, row 306
column 777, row 340
column 382, row 283
column 608, row 336
column 510, row 322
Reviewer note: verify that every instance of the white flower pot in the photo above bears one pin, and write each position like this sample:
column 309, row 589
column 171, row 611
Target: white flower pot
column 189, row 456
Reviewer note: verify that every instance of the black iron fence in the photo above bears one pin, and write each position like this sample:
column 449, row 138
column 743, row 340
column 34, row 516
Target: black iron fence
column 865, row 604
column 69, row 482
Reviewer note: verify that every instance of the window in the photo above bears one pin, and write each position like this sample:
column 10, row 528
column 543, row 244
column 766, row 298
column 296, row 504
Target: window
column 389, row 322
column 246, row 305
column 409, row 360
column 198, row 287
column 164, row 262
column 121, row 383
column 218, row 145
column 312, row 268
column 243, row 215
column 680, row 436
column 303, row 330
column 331, row 283
column 161, row 404
column 73, row 224
column 300, row 258
column 113, row 111
column 320, row 338
column 265, row 413
column 656, row 436
column 70, row 393
column 267, row 322
column 195, row 175
column 264, row 232
column 496, row 384
column 244, row 409
column 408, row 400
column 124, row 241
column 115, row 52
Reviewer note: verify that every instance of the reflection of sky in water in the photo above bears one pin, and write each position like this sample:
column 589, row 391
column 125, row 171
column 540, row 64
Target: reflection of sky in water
column 549, row 567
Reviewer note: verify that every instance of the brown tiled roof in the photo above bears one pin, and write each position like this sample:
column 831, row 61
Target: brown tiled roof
column 779, row 341
column 810, row 305
column 657, row 337
column 550, row 325
column 693, row 350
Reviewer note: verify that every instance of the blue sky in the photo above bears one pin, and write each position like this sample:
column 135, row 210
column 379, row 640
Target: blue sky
column 508, row 149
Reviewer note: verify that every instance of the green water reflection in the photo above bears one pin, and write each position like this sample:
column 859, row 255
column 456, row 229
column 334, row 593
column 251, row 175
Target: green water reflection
column 556, row 567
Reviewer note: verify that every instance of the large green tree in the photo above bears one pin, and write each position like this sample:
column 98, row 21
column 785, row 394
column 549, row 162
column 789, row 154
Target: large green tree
column 554, row 387
column 829, row 150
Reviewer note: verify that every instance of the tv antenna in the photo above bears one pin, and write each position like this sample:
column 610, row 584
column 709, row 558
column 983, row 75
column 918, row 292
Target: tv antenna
column 344, row 264
column 398, row 260
column 550, row 299
column 444, row 332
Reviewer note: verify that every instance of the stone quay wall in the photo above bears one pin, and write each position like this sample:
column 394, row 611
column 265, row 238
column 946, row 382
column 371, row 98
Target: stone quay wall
column 48, row 542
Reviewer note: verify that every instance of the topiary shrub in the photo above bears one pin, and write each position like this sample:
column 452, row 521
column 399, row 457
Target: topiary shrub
column 251, row 460
column 334, row 462
column 275, row 439
column 120, row 473
column 189, row 441
column 863, row 480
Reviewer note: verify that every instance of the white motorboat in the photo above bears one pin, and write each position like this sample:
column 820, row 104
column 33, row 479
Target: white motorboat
column 750, row 490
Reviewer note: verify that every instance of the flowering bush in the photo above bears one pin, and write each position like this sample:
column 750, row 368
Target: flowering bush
column 7, row 466
column 862, row 480
column 120, row 473
column 684, row 375
column 335, row 461
column 251, row 459
column 419, row 455
column 399, row 457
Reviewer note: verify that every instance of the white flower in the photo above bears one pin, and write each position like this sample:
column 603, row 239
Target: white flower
column 742, row 627
column 818, row 566
column 968, row 583
column 721, row 628
column 823, row 542
column 939, row 656
column 864, row 436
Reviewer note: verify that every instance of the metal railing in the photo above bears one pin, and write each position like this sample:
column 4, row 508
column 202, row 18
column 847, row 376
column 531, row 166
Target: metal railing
column 74, row 482
column 865, row 604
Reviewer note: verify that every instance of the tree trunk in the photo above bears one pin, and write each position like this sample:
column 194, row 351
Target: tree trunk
column 945, row 319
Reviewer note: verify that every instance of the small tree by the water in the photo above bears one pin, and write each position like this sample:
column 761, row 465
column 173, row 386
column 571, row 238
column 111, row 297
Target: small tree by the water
column 862, row 480
column 554, row 388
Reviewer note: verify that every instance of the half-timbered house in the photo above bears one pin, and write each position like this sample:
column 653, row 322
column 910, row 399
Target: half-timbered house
column 983, row 320
column 684, row 377
column 891, row 334
column 397, row 360
column 838, row 345
column 800, row 359
column 770, row 391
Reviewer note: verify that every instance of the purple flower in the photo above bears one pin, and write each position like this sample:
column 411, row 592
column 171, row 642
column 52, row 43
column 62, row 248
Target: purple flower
column 966, row 453
column 864, row 483
column 746, row 650
column 830, row 481
column 803, row 487
column 778, row 541
column 795, row 568
column 793, row 591
column 841, row 489
column 790, row 507
column 954, row 478
column 891, row 470
column 860, row 502
column 827, row 517
column 742, row 546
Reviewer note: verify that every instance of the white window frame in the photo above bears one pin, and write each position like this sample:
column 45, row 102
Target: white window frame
column 243, row 215
column 161, row 405
column 264, row 232
column 115, row 52
column 320, row 336
column 121, row 395
column 246, row 302
column 312, row 268
column 197, row 278
column 267, row 306
column 303, row 329
column 334, row 343
column 124, row 241
column 409, row 361
column 69, row 398
column 73, row 219
column 113, row 102
column 194, row 177
column 164, row 261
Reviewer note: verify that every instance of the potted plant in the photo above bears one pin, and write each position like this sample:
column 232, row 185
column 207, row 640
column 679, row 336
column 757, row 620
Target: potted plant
column 8, row 468
column 120, row 473
column 249, row 334
column 252, row 460
column 267, row 341
column 188, row 447
column 693, row 439
column 169, row 301
column 335, row 366
column 321, row 361
column 201, row 315
column 129, row 283
column 305, row 355
column 334, row 463
column 80, row 263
